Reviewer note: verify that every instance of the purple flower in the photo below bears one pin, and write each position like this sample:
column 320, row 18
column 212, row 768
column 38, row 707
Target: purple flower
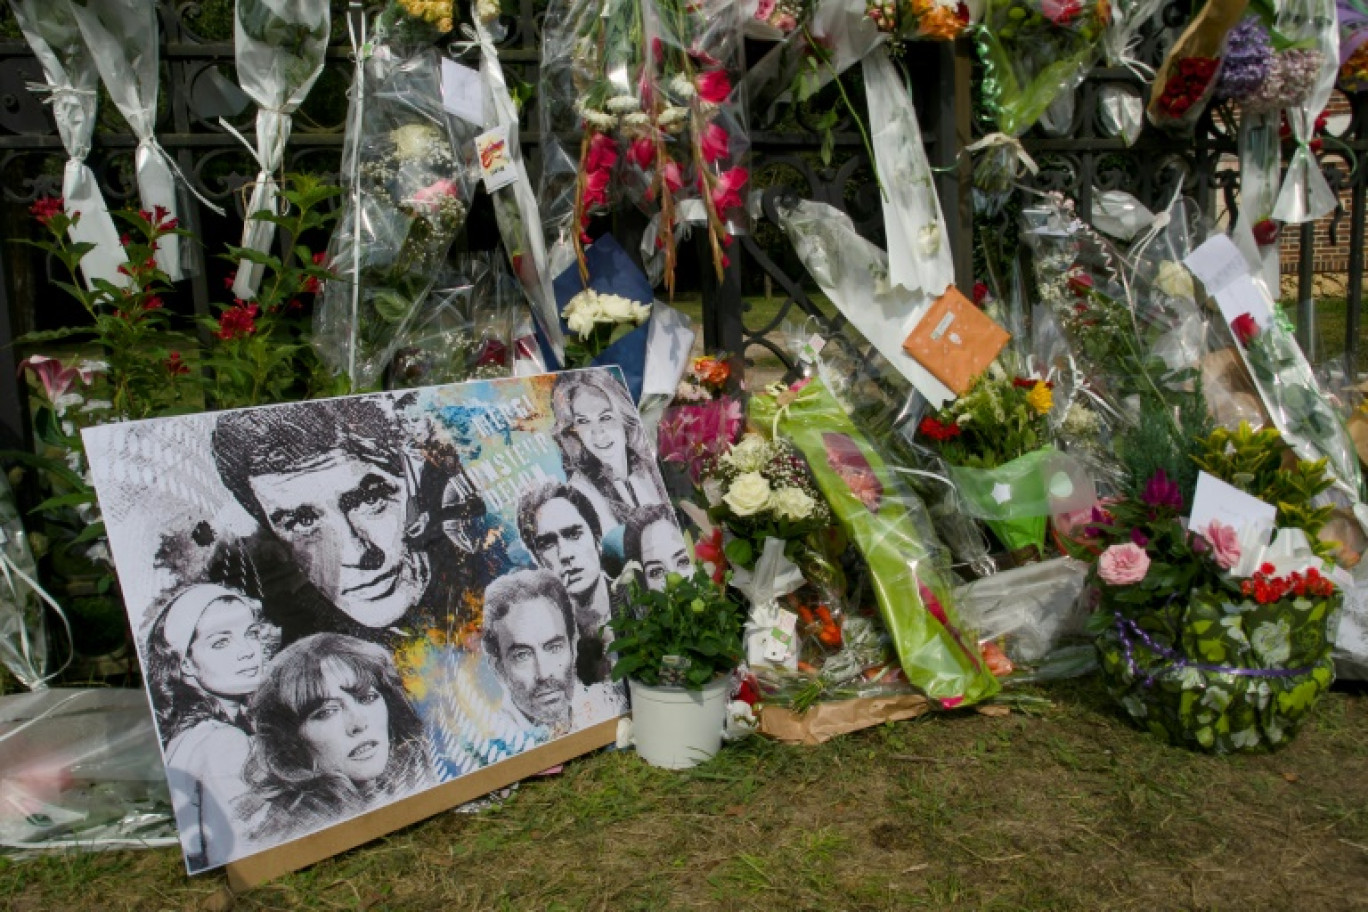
column 1248, row 60
column 1160, row 492
column 1139, row 538
column 1289, row 83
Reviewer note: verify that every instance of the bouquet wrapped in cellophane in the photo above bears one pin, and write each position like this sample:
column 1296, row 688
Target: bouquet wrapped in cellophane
column 408, row 174
column 1033, row 51
column 891, row 532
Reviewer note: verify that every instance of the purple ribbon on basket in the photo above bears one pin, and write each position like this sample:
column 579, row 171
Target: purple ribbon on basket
column 1177, row 661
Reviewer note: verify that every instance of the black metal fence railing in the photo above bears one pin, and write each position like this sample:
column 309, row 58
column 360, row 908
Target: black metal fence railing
column 199, row 87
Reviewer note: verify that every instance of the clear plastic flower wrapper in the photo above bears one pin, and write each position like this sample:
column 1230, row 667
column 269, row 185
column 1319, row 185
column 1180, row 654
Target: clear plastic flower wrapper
column 854, row 275
column 23, row 625
column 1353, row 46
column 279, row 46
column 1033, row 51
column 1031, row 621
column 1309, row 423
column 1121, row 112
column 407, row 173
column 515, row 204
column 462, row 330
column 913, row 220
column 878, row 515
column 122, row 37
column 1306, row 195
column 71, row 82
column 1187, row 78
column 84, row 772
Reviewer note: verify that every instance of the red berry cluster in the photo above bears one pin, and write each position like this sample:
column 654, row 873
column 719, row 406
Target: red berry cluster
column 1186, row 85
column 1267, row 588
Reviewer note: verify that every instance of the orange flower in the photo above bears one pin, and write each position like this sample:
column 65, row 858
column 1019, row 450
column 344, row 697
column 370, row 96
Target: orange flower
column 940, row 23
column 711, row 370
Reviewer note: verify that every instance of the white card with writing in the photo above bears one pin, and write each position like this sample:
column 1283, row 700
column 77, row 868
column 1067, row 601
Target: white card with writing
column 496, row 165
column 463, row 92
column 1215, row 499
column 1218, row 262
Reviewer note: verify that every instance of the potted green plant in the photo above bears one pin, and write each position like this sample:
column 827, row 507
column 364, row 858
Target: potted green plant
column 676, row 648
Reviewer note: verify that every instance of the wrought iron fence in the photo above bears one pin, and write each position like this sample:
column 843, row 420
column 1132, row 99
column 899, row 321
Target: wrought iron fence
column 199, row 88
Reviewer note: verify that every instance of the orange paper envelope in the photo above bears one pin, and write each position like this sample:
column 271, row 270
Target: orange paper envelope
column 955, row 341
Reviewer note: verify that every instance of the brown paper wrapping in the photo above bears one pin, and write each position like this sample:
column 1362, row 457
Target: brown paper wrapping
column 825, row 721
column 1204, row 37
column 955, row 341
column 1230, row 394
column 1358, row 432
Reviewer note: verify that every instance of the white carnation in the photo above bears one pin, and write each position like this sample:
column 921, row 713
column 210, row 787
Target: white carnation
column 749, row 454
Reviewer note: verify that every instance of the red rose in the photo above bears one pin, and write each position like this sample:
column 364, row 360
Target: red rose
column 1265, row 232
column 1245, row 329
column 980, row 293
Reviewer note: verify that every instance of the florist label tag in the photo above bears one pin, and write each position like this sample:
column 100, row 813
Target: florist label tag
column 496, row 166
column 462, row 92
column 1216, row 500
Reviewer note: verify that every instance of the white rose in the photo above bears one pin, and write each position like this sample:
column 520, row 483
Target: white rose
column 750, row 454
column 616, row 308
column 748, row 495
column 1174, row 280
column 792, row 503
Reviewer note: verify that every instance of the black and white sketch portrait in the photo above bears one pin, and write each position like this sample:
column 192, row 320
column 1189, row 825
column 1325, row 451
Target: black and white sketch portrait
column 345, row 602
column 529, row 635
column 206, row 655
column 654, row 546
column 608, row 456
column 559, row 525
column 335, row 736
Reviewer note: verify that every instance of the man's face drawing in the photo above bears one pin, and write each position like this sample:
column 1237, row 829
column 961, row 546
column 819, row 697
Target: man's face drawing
column 565, row 545
column 536, row 661
column 343, row 520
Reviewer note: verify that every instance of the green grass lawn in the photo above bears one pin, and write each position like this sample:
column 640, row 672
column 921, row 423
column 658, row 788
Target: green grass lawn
column 1066, row 808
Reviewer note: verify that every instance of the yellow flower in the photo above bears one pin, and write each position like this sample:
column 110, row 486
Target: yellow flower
column 1040, row 398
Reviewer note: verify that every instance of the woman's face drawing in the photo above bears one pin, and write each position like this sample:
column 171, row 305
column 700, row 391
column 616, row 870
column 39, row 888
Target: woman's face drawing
column 349, row 732
column 599, row 427
column 663, row 552
column 227, row 656
column 343, row 520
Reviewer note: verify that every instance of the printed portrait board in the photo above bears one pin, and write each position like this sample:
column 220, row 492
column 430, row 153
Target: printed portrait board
column 368, row 609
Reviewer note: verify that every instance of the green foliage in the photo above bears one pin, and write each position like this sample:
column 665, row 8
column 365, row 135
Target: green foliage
column 260, row 353
column 688, row 634
column 1165, row 438
column 1256, row 463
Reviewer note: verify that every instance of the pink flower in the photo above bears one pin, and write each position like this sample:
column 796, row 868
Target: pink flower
column 716, row 143
column 674, row 178
column 431, row 196
column 714, row 86
column 727, row 191
column 1122, row 565
column 763, row 9
column 52, row 374
column 602, row 154
column 785, row 22
column 45, row 208
column 596, row 189
column 642, row 152
column 1225, row 544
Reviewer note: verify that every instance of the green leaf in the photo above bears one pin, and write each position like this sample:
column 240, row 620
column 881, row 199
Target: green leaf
column 92, row 532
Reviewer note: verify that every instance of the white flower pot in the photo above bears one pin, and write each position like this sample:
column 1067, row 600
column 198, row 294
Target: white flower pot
column 676, row 728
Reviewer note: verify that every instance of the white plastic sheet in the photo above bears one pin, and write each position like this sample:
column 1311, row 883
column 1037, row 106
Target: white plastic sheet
column 122, row 37
column 279, row 46
column 72, row 79
column 921, row 258
column 1306, row 195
